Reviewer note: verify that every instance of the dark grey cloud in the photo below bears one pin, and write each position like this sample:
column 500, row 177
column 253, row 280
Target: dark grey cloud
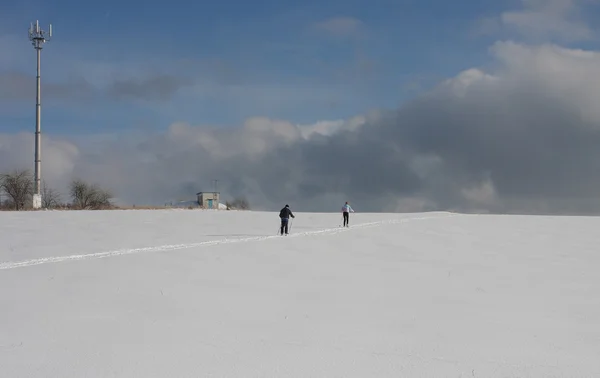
column 530, row 147
column 16, row 86
column 158, row 87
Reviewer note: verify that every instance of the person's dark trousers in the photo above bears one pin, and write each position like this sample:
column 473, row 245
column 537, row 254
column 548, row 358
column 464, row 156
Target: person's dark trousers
column 346, row 218
column 284, row 225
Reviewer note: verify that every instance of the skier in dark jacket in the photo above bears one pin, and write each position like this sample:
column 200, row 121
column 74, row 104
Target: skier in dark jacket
column 285, row 215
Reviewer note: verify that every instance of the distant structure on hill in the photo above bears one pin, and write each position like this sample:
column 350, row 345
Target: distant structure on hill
column 208, row 200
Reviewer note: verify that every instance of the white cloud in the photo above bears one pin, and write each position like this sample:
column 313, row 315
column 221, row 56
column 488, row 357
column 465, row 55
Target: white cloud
column 571, row 76
column 329, row 128
column 541, row 20
column 131, row 165
column 481, row 194
column 342, row 26
column 549, row 18
column 59, row 157
column 467, row 80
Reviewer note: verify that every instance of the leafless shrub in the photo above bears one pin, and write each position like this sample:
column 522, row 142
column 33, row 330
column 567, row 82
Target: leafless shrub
column 50, row 197
column 89, row 196
column 240, row 203
column 18, row 186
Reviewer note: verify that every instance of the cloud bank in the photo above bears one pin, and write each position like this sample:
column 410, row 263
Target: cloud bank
column 523, row 138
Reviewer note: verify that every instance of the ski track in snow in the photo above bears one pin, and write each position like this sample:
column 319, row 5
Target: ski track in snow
column 175, row 247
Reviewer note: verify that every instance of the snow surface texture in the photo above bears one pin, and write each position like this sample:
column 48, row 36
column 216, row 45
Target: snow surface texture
column 183, row 293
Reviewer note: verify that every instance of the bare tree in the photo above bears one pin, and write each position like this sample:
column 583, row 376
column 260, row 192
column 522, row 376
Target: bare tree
column 5, row 202
column 18, row 186
column 238, row 203
column 50, row 197
column 89, row 196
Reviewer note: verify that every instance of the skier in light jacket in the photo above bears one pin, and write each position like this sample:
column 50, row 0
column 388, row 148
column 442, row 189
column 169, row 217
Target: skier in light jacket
column 346, row 210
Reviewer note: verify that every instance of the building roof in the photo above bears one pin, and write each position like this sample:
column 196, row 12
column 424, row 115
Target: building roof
column 207, row 192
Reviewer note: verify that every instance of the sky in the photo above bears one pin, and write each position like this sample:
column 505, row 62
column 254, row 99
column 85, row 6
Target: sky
column 404, row 105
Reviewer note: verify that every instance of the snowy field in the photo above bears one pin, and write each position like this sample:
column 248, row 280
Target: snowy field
column 185, row 293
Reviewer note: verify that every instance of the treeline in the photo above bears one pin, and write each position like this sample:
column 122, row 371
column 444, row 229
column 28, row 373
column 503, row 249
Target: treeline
column 16, row 193
column 238, row 204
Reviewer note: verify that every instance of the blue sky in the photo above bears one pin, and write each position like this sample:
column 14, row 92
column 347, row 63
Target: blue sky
column 237, row 59
column 392, row 105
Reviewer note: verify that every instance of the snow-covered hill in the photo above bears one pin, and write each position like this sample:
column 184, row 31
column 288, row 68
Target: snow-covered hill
column 178, row 293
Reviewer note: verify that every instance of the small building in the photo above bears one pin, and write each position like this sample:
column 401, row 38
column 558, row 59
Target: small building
column 208, row 200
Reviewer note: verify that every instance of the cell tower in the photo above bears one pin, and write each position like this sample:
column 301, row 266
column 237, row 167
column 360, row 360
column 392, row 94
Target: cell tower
column 38, row 37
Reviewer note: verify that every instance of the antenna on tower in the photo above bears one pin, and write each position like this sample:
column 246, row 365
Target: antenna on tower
column 38, row 37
